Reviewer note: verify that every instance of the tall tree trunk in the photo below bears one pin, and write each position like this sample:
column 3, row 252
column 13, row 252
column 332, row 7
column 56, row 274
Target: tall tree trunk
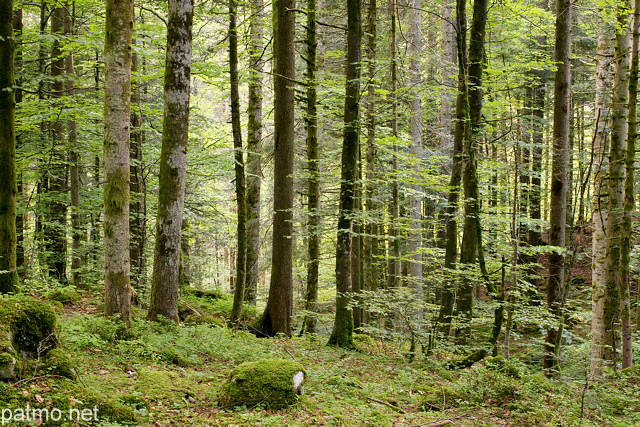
column 277, row 315
column 119, row 25
column 414, row 51
column 559, row 179
column 369, row 252
column 254, row 149
column 629, row 199
column 342, row 334
column 173, row 162
column 55, row 226
column 20, row 216
column 393, row 263
column 313, row 187
column 604, row 58
column 137, row 226
column 75, row 184
column 241, row 204
column 9, row 188
column 471, row 238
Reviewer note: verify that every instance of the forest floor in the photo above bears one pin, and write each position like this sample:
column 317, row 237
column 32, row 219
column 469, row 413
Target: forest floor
column 165, row 374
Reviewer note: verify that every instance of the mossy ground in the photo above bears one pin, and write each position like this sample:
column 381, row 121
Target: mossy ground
column 166, row 374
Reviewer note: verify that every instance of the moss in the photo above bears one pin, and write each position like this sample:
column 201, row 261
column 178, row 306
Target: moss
column 58, row 362
column 264, row 382
column 116, row 192
column 109, row 407
column 9, row 282
column 362, row 339
column 203, row 319
column 8, row 363
column 67, row 296
column 440, row 398
column 162, row 386
column 32, row 323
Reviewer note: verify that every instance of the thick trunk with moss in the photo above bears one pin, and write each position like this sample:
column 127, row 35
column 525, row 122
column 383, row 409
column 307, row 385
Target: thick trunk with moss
column 119, row 25
column 277, row 315
column 8, row 188
column 173, row 162
column 342, row 334
column 313, row 186
column 604, row 58
column 241, row 204
column 254, row 149
column 559, row 179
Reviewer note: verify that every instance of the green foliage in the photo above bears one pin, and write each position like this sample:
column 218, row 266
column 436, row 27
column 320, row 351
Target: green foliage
column 32, row 323
column 57, row 362
column 66, row 295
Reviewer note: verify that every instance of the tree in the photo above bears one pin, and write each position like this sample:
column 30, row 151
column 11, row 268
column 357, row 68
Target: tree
column 342, row 333
column 559, row 180
column 9, row 187
column 277, row 315
column 173, row 162
column 313, row 186
column 254, row 149
column 241, row 252
column 117, row 121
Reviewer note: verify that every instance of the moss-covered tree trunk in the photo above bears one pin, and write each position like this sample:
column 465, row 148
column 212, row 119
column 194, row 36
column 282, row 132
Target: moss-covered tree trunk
column 117, row 55
column 313, row 186
column 342, row 334
column 604, row 57
column 254, row 149
column 8, row 186
column 20, row 216
column 629, row 198
column 559, row 179
column 277, row 315
column 241, row 204
column 55, row 223
column 173, row 162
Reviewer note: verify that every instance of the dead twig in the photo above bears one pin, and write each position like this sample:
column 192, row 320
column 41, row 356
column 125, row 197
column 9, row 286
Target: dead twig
column 390, row 405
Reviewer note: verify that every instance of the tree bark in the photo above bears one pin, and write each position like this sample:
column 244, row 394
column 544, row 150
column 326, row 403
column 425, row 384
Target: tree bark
column 254, row 150
column 313, row 186
column 277, row 315
column 559, row 180
column 342, row 334
column 9, row 187
column 241, row 204
column 119, row 24
column 604, row 58
column 173, row 162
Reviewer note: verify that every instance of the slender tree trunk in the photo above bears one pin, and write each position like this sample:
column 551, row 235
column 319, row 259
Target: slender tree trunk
column 629, row 200
column 254, row 149
column 394, row 263
column 604, row 58
column 9, row 188
column 119, row 25
column 313, row 186
column 559, row 179
column 277, row 315
column 20, row 216
column 55, row 226
column 136, row 186
column 241, row 203
column 173, row 162
column 414, row 51
column 342, row 333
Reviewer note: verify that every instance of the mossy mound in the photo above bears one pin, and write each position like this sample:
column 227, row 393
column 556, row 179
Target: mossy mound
column 58, row 362
column 274, row 384
column 162, row 386
column 203, row 319
column 66, row 296
column 30, row 323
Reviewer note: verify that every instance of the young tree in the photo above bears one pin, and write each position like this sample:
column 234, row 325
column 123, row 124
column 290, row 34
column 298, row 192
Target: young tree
column 559, row 179
column 342, row 334
column 173, row 162
column 277, row 314
column 313, row 188
column 254, row 148
column 241, row 205
column 117, row 121
column 8, row 186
